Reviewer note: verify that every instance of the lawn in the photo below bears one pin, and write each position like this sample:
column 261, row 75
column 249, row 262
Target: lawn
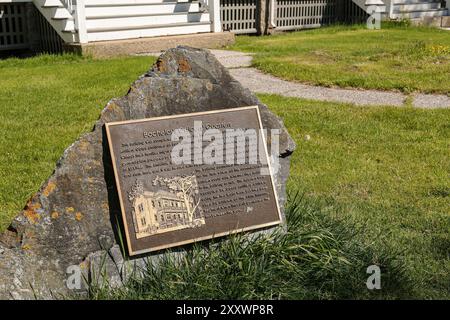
column 396, row 57
column 385, row 167
column 46, row 103
column 372, row 183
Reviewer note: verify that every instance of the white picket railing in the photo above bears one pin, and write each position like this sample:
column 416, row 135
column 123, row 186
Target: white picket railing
column 238, row 16
column 299, row 14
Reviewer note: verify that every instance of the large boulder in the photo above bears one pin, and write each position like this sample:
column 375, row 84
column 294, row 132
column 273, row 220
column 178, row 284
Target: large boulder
column 73, row 216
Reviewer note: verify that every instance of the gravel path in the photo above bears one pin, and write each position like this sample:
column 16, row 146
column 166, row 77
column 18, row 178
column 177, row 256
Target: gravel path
column 239, row 64
column 263, row 83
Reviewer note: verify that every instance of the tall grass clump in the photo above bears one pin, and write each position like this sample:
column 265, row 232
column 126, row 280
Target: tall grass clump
column 318, row 256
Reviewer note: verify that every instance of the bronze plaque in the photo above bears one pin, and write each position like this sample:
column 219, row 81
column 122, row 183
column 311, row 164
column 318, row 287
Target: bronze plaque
column 191, row 177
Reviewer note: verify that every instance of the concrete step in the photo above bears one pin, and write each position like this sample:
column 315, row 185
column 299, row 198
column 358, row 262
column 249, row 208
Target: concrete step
column 144, row 46
column 401, row 2
column 420, row 14
column 438, row 22
column 445, row 21
column 419, row 6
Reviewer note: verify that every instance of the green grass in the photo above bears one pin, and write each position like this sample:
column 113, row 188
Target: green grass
column 374, row 185
column 387, row 167
column 393, row 58
column 319, row 257
column 46, row 103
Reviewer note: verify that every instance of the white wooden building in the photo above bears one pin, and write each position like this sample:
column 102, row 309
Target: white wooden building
column 84, row 21
column 52, row 25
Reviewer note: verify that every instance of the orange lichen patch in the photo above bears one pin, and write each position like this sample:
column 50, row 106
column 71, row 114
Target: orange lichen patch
column 33, row 206
column 26, row 247
column 55, row 215
column 161, row 66
column 32, row 215
column 49, row 189
column 183, row 65
column 90, row 180
column 70, row 209
column 78, row 216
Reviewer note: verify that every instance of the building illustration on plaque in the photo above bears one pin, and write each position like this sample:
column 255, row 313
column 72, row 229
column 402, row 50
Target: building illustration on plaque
column 172, row 204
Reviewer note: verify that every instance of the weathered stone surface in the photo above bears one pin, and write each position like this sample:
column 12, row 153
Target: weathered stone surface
column 73, row 215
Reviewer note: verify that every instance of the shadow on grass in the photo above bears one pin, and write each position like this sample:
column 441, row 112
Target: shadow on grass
column 319, row 257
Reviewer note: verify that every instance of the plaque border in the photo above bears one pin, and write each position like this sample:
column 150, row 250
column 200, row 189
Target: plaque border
column 131, row 252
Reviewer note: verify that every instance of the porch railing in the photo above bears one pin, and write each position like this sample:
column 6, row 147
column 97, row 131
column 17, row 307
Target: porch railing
column 22, row 27
column 13, row 27
column 299, row 14
column 241, row 16
column 238, row 16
